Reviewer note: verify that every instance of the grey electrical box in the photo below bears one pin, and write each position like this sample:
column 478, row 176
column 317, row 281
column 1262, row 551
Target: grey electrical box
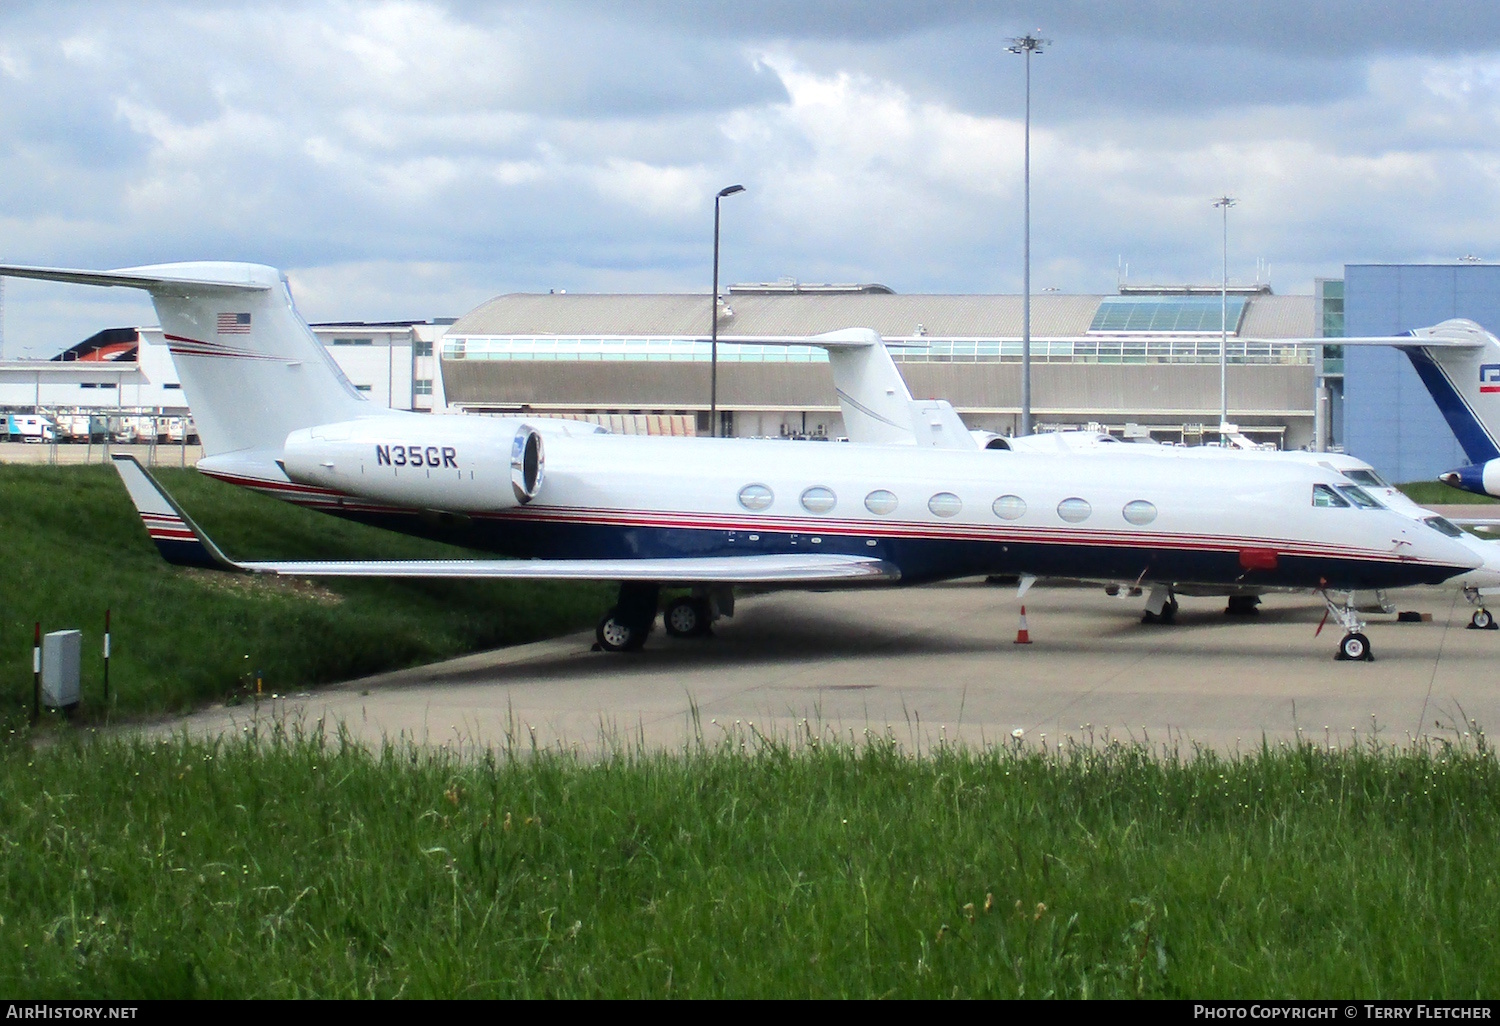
column 62, row 652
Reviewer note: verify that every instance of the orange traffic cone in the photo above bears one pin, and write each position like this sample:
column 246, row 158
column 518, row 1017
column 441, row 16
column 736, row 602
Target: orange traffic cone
column 1023, row 637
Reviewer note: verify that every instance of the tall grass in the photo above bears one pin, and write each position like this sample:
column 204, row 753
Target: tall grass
column 283, row 867
column 72, row 546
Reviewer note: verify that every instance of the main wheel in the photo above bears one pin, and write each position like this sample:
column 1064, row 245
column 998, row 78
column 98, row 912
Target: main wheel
column 615, row 635
column 1169, row 611
column 1482, row 620
column 687, row 617
column 1355, row 647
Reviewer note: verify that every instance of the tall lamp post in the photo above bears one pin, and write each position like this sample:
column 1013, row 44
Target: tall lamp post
column 1224, row 203
column 713, row 318
column 1026, row 46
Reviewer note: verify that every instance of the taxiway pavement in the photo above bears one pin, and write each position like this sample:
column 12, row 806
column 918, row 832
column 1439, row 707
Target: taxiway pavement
column 934, row 663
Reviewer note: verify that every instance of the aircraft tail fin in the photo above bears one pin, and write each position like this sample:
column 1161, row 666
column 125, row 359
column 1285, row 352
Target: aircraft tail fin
column 251, row 368
column 1459, row 363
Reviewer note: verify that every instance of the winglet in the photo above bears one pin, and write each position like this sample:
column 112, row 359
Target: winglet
column 180, row 541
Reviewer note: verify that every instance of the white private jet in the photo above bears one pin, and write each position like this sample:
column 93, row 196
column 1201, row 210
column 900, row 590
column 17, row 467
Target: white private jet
column 878, row 408
column 277, row 415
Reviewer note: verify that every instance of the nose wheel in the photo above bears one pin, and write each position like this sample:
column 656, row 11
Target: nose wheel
column 1355, row 647
column 1483, row 620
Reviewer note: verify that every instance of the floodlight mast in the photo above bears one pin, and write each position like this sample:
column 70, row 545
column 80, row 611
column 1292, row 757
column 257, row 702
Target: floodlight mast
column 1027, row 45
column 713, row 350
column 1224, row 203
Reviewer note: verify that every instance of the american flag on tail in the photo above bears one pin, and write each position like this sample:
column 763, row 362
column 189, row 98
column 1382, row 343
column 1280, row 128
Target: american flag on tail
column 234, row 324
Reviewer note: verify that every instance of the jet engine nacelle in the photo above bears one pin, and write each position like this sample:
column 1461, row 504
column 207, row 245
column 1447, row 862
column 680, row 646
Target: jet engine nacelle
column 460, row 464
column 1483, row 479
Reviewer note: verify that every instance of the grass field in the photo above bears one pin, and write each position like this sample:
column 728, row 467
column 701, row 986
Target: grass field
column 1435, row 493
column 74, row 546
column 745, row 868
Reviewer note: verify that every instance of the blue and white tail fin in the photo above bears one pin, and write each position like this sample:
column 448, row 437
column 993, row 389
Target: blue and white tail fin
column 179, row 540
column 251, row 368
column 1459, row 363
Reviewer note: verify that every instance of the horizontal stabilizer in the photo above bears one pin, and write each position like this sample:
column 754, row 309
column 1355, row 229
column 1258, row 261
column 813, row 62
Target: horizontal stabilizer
column 183, row 543
column 130, row 277
column 1455, row 333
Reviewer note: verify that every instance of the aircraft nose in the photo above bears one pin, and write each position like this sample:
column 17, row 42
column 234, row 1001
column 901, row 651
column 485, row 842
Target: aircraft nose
column 1420, row 542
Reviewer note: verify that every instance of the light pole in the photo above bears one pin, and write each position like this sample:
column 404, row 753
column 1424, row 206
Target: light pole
column 713, row 319
column 1026, row 46
column 1224, row 203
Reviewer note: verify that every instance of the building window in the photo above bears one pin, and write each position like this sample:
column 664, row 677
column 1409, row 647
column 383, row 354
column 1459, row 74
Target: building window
column 88, row 384
column 354, row 341
column 362, row 388
column 108, row 384
column 172, row 384
column 421, row 347
column 421, row 386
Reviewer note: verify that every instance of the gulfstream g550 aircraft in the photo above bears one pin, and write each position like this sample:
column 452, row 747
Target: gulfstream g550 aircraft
column 276, row 415
column 878, row 408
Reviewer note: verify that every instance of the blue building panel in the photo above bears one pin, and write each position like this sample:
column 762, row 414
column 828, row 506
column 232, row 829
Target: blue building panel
column 1390, row 419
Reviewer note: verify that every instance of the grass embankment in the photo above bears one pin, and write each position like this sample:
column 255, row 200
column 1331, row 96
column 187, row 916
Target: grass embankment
column 74, row 546
column 1435, row 493
column 299, row 869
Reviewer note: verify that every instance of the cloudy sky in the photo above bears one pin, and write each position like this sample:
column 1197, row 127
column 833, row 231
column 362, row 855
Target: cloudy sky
column 411, row 159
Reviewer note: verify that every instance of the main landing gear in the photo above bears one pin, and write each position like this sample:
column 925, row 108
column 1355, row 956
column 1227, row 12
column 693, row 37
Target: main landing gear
column 1161, row 607
column 1483, row 619
column 1355, row 646
column 1243, row 605
column 690, row 616
column 626, row 626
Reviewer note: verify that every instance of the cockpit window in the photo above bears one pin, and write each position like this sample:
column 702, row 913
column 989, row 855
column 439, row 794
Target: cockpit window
column 1366, row 477
column 1361, row 498
column 1326, row 496
column 1444, row 526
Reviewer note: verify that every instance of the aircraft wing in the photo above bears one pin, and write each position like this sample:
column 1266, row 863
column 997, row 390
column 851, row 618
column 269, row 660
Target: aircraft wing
column 182, row 542
column 814, row 568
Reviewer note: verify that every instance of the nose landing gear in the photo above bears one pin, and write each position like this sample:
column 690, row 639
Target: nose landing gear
column 1483, row 619
column 1355, row 647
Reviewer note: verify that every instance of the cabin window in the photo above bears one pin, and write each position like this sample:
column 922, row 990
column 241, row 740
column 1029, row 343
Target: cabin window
column 1360, row 497
column 1074, row 510
column 818, row 499
column 1139, row 512
column 1010, row 507
column 756, row 497
column 1444, row 526
column 880, row 502
column 1324, row 496
column 945, row 504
